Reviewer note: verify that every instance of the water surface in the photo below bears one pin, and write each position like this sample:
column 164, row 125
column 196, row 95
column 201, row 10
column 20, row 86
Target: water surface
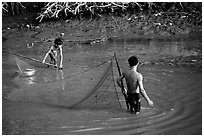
column 32, row 106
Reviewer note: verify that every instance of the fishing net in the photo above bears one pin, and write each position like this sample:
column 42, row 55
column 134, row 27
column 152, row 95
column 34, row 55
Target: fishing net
column 76, row 88
column 23, row 66
column 25, row 63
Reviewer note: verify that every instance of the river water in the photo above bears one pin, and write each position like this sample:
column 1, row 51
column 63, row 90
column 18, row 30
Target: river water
column 176, row 92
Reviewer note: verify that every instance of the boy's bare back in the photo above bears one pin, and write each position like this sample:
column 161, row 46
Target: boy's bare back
column 132, row 81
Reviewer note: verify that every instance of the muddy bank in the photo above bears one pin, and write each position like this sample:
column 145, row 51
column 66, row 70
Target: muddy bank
column 162, row 27
column 163, row 24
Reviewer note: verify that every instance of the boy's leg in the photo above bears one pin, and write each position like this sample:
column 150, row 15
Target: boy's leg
column 131, row 103
column 138, row 103
column 135, row 103
column 53, row 58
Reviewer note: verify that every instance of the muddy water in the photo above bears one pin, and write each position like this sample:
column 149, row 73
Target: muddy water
column 31, row 106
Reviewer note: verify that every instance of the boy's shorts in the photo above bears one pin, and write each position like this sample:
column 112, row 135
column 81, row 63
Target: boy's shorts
column 134, row 101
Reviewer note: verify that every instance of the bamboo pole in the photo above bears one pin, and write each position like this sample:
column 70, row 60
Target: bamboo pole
column 119, row 71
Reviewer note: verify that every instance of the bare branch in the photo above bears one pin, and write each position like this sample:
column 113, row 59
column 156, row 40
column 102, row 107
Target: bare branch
column 53, row 9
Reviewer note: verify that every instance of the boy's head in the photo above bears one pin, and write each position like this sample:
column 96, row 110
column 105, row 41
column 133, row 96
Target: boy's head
column 133, row 61
column 58, row 41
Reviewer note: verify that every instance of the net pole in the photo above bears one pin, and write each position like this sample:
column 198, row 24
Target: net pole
column 122, row 84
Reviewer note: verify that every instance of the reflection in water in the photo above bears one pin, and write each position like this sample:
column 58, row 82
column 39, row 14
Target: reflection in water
column 60, row 76
column 28, row 74
column 30, row 80
column 47, row 76
column 32, row 76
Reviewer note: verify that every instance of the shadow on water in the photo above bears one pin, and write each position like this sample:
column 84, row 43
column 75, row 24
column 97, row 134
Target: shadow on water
column 38, row 104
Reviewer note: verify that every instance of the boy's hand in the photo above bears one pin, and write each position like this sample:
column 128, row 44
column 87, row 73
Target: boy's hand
column 124, row 91
column 151, row 104
column 55, row 65
column 61, row 67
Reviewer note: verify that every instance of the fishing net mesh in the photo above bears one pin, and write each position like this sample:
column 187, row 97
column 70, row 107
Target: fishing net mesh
column 90, row 88
column 25, row 63
column 22, row 65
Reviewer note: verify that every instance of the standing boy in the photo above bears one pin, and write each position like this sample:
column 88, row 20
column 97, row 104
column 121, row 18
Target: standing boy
column 52, row 52
column 134, row 86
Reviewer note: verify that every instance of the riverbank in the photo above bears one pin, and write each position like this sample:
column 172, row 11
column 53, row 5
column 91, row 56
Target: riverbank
column 163, row 27
column 163, row 24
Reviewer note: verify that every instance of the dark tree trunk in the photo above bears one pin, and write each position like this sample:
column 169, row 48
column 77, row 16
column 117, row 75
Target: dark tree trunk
column 15, row 8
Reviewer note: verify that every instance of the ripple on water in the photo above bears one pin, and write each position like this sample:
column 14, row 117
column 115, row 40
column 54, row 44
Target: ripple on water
column 178, row 108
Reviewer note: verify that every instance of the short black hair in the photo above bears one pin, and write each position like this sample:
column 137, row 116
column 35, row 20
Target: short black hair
column 58, row 41
column 133, row 61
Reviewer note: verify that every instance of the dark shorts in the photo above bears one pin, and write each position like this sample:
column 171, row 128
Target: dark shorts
column 134, row 101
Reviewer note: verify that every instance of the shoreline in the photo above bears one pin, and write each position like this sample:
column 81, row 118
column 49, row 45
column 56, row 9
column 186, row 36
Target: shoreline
column 106, row 29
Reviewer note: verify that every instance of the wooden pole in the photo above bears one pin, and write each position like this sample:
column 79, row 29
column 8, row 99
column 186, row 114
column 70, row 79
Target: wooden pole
column 119, row 71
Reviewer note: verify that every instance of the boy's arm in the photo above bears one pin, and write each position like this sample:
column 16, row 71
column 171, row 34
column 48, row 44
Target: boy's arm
column 61, row 57
column 119, row 79
column 46, row 55
column 142, row 90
